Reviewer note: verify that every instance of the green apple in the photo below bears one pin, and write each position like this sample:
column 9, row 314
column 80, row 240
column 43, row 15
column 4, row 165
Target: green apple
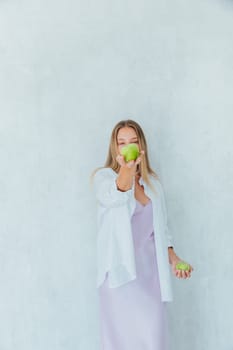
column 182, row 266
column 130, row 151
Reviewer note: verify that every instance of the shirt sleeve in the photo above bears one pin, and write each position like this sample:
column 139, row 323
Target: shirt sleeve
column 106, row 192
column 164, row 208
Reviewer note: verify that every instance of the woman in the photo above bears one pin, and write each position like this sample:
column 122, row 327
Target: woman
column 134, row 248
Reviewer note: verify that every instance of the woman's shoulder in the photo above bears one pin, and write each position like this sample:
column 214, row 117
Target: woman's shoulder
column 104, row 172
column 155, row 179
column 156, row 182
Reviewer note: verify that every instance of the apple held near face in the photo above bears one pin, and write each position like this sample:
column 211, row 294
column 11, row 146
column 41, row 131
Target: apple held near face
column 130, row 151
column 182, row 266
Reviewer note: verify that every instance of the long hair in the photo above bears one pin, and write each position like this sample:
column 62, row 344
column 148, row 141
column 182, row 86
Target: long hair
column 144, row 167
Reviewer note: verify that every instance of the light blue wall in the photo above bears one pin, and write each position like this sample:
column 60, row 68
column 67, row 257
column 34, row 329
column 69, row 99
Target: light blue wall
column 68, row 72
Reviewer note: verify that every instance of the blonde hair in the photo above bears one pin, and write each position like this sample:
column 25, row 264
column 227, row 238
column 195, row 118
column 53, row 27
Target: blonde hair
column 144, row 167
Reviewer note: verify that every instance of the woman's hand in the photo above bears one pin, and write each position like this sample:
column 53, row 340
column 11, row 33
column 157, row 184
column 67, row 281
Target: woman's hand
column 127, row 172
column 132, row 164
column 174, row 259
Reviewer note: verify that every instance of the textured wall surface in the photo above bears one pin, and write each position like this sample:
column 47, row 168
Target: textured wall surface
column 69, row 70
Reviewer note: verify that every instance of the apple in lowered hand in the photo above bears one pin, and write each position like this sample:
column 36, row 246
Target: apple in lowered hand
column 182, row 266
column 130, row 151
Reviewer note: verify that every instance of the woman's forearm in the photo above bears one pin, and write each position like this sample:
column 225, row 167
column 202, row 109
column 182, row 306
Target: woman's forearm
column 125, row 178
column 172, row 255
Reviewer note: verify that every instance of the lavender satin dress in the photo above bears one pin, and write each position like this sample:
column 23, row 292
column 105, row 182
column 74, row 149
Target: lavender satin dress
column 132, row 316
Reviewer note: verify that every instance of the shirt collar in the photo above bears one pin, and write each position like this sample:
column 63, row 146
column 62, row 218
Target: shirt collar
column 143, row 183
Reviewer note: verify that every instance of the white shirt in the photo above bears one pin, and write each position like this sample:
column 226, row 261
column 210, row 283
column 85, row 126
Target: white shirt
column 115, row 249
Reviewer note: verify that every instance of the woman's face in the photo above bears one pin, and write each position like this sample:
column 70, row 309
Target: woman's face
column 125, row 136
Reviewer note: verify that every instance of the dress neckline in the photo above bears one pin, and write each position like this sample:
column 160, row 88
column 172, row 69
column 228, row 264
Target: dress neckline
column 143, row 205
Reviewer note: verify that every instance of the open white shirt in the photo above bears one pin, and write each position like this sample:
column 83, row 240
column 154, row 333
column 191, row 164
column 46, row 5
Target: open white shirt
column 115, row 248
